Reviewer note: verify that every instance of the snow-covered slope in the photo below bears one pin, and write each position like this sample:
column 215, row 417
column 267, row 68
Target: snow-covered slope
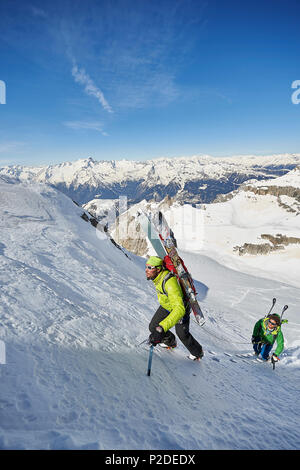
column 290, row 179
column 73, row 310
column 193, row 179
column 258, row 229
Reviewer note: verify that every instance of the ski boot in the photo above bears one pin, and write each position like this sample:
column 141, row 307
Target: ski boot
column 167, row 346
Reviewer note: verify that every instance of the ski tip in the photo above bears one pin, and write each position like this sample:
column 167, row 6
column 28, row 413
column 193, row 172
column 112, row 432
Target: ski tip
column 200, row 321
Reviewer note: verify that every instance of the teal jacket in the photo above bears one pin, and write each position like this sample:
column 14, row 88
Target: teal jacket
column 173, row 301
column 269, row 336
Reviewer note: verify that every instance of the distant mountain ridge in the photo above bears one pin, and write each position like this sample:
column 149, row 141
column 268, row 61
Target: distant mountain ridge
column 197, row 179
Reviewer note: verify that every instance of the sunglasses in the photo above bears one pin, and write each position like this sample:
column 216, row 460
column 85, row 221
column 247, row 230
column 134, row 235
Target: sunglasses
column 150, row 267
column 272, row 323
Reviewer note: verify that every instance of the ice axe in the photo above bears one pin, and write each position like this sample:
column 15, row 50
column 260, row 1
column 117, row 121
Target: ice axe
column 150, row 360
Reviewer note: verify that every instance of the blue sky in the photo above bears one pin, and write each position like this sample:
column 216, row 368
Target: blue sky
column 141, row 79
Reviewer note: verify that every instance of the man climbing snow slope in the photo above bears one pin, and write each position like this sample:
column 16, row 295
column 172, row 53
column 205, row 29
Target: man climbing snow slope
column 173, row 311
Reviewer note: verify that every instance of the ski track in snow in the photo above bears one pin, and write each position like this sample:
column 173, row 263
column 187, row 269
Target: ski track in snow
column 73, row 311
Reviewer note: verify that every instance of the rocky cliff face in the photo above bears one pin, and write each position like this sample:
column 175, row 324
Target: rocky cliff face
column 289, row 191
column 274, row 190
column 128, row 233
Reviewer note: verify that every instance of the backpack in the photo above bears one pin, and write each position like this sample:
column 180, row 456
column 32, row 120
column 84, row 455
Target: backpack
column 169, row 265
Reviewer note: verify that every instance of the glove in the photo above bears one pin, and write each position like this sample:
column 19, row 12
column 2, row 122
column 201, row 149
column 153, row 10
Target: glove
column 255, row 339
column 275, row 358
column 157, row 336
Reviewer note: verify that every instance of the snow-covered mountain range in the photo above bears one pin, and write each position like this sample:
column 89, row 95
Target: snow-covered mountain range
column 74, row 309
column 188, row 179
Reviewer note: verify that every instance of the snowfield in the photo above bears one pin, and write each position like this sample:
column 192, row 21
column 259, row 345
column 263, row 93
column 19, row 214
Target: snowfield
column 216, row 230
column 73, row 311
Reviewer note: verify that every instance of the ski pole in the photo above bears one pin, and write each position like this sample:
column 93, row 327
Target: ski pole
column 150, row 360
column 143, row 342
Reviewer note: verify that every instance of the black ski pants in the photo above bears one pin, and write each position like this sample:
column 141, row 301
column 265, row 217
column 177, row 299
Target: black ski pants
column 182, row 329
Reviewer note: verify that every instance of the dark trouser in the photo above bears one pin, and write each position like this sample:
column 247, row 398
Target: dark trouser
column 182, row 331
column 263, row 349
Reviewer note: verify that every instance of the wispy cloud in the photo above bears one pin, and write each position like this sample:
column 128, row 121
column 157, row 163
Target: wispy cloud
column 37, row 12
column 89, row 125
column 136, row 52
column 90, row 88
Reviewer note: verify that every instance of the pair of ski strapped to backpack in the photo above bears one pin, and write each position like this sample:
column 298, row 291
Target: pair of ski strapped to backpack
column 164, row 243
column 283, row 310
column 281, row 322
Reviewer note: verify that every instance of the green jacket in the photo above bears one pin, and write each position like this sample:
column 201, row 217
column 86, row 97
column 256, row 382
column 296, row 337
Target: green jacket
column 173, row 302
column 268, row 336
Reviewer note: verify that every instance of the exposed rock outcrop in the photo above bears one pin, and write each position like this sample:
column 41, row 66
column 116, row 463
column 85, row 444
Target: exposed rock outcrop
column 277, row 242
column 256, row 249
column 274, row 190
